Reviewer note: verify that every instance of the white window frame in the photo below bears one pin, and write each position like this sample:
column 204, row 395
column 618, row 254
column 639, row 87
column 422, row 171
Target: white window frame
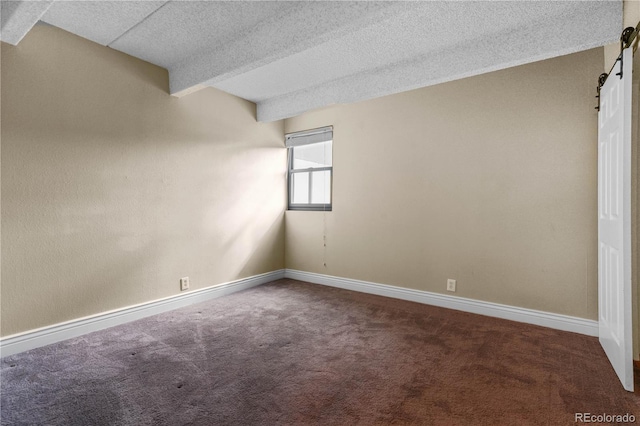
column 308, row 137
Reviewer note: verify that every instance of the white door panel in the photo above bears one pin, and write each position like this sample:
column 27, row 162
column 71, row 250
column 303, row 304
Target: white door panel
column 614, row 219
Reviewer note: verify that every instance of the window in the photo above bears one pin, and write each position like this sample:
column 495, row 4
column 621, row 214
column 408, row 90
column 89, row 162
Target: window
column 310, row 169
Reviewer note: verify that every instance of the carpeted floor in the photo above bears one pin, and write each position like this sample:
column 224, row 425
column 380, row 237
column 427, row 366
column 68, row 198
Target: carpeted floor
column 296, row 353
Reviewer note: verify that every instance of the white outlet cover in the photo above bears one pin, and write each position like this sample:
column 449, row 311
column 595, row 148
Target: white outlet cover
column 451, row 285
column 184, row 283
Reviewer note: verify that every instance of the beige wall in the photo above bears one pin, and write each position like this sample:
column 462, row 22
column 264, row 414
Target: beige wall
column 635, row 226
column 635, row 239
column 112, row 189
column 490, row 180
column 635, row 209
column 635, row 219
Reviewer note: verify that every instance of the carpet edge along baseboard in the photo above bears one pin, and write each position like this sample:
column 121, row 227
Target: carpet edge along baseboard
column 32, row 339
column 58, row 332
column 513, row 313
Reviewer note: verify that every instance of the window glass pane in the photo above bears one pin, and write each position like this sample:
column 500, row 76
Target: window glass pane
column 321, row 187
column 300, row 188
column 314, row 155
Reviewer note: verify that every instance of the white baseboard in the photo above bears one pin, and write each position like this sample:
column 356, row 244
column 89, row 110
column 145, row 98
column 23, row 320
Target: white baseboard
column 47, row 335
column 529, row 316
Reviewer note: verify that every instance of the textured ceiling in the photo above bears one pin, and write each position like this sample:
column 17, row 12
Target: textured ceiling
column 290, row 57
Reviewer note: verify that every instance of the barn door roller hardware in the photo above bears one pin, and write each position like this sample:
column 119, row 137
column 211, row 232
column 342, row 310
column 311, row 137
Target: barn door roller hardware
column 628, row 36
column 601, row 79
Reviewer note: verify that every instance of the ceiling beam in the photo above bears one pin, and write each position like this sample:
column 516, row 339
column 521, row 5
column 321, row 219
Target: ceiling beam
column 276, row 38
column 18, row 17
column 431, row 68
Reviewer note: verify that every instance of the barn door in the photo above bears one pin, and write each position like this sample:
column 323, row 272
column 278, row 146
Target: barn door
column 614, row 219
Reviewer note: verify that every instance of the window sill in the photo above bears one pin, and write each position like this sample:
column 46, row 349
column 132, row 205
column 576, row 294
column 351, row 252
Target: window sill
column 315, row 208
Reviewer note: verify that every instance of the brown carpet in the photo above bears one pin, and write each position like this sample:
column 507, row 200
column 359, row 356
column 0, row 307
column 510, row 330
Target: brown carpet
column 296, row 353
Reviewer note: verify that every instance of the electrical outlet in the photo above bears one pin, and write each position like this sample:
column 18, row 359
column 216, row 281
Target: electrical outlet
column 184, row 283
column 451, row 285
